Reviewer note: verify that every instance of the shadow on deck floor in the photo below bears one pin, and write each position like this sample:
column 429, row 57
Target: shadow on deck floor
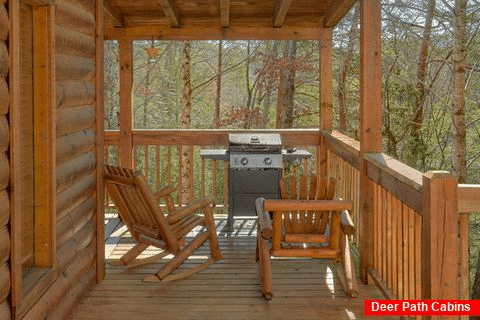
column 230, row 289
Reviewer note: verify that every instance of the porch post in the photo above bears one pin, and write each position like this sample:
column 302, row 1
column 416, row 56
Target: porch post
column 99, row 141
column 440, row 236
column 125, row 156
column 370, row 121
column 325, row 98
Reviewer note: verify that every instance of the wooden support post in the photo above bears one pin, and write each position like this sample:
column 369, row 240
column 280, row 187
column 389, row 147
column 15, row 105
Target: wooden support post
column 326, row 98
column 440, row 236
column 99, row 143
column 125, row 156
column 370, row 121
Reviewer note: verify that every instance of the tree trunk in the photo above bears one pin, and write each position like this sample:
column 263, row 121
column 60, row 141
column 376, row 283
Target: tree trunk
column 459, row 162
column 185, row 118
column 216, row 120
column 290, row 85
column 346, row 64
column 269, row 83
column 280, row 115
column 247, row 76
column 417, row 148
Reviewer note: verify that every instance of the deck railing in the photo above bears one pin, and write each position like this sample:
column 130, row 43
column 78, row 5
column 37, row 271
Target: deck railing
column 404, row 222
column 171, row 158
column 399, row 202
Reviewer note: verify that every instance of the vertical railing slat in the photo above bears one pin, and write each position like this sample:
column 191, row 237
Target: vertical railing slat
column 225, row 184
column 180, row 174
column 157, row 167
column 202, row 177
column 191, row 175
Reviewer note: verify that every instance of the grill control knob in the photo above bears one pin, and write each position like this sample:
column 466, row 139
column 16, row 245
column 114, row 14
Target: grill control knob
column 267, row 161
column 244, row 161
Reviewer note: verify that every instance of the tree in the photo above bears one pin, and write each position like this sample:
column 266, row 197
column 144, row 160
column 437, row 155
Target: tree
column 459, row 162
column 289, row 99
column 344, row 71
column 216, row 119
column 417, row 145
column 186, row 116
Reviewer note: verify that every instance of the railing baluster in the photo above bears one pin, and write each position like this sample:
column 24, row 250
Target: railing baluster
column 135, row 153
column 411, row 252
column 169, row 166
column 191, row 174
column 225, row 185
column 400, row 278
column 395, row 247
column 180, row 174
column 388, row 204
column 202, row 178
column 214, row 184
column 145, row 150
column 418, row 256
column 157, row 166
column 406, row 283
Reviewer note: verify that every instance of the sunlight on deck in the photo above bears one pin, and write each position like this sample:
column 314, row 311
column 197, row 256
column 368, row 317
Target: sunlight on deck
column 229, row 289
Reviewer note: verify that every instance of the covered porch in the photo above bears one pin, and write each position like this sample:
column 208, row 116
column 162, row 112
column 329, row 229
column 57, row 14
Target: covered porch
column 410, row 225
column 409, row 214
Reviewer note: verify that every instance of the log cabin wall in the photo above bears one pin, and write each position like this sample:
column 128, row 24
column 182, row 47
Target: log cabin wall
column 4, row 168
column 74, row 136
column 75, row 159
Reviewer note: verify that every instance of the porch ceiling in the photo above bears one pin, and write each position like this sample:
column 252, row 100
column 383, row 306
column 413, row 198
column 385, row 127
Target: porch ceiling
column 222, row 19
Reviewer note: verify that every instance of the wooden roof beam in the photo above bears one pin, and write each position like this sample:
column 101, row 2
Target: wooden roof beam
column 113, row 14
column 212, row 32
column 170, row 11
column 336, row 12
column 281, row 10
column 225, row 13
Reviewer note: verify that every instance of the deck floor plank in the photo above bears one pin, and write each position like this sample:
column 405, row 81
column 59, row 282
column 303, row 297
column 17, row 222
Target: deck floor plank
column 229, row 289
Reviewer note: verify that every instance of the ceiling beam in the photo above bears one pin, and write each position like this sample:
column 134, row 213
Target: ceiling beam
column 113, row 13
column 212, row 32
column 337, row 11
column 170, row 11
column 225, row 13
column 281, row 10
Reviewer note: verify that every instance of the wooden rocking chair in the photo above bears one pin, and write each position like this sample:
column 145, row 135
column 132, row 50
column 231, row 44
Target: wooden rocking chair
column 139, row 210
column 312, row 226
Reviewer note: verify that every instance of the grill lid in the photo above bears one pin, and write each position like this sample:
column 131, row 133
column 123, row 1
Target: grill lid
column 255, row 139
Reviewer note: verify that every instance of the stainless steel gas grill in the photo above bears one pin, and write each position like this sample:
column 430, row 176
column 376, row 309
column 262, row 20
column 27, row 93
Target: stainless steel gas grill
column 255, row 170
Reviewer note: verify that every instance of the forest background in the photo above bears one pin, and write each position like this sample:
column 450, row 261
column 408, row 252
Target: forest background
column 430, row 79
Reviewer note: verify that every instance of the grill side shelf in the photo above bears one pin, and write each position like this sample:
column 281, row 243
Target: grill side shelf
column 214, row 154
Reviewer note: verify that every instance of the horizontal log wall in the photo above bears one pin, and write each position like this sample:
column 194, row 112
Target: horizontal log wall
column 75, row 159
column 5, row 285
column 75, row 271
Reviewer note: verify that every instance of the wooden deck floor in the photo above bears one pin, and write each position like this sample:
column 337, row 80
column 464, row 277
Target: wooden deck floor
column 230, row 289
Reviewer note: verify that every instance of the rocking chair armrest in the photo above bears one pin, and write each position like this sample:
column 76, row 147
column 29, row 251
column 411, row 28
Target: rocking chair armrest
column 264, row 220
column 190, row 209
column 163, row 193
column 347, row 224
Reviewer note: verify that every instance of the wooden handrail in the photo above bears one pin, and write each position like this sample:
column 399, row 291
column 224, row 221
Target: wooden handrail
column 211, row 137
column 468, row 198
